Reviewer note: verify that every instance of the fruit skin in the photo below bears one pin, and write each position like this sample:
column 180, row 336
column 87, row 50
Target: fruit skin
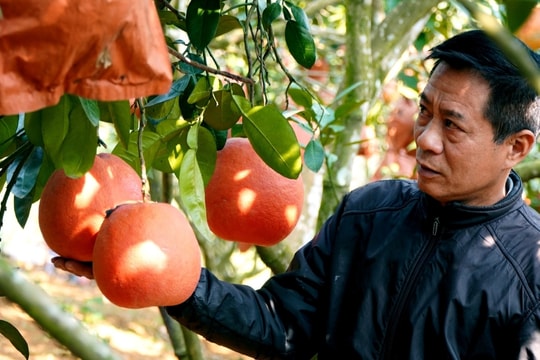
column 146, row 254
column 247, row 201
column 71, row 210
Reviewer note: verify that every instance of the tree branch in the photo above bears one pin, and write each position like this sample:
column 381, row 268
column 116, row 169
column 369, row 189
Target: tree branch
column 206, row 68
column 45, row 311
column 398, row 31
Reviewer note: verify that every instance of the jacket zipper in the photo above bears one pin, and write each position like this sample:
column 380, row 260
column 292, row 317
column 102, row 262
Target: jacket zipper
column 435, row 227
column 403, row 298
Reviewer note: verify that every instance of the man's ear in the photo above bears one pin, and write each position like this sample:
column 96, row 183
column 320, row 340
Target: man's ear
column 520, row 144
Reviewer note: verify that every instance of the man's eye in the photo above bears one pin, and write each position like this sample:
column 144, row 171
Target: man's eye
column 422, row 110
column 450, row 124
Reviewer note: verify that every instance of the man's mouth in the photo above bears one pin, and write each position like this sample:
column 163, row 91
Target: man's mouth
column 425, row 170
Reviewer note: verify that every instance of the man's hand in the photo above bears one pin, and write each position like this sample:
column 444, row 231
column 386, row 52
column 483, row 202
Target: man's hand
column 75, row 267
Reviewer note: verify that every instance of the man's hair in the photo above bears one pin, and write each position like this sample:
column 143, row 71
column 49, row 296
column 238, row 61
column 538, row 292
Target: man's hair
column 513, row 104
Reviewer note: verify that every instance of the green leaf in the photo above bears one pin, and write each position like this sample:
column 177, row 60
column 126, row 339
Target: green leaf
column 8, row 130
column 273, row 139
column 169, row 155
column 54, row 128
column 206, row 154
column 91, row 109
column 173, row 144
column 314, row 155
column 188, row 111
column 202, row 19
column 300, row 44
column 119, row 114
column 178, row 87
column 22, row 207
column 169, row 109
column 167, row 17
column 517, row 12
column 221, row 113
column 236, row 131
column 192, row 197
column 2, row 183
column 188, row 69
column 270, row 14
column 79, row 147
column 220, row 136
column 227, row 23
column 32, row 127
column 287, row 14
column 299, row 15
column 150, row 144
column 346, row 108
column 171, row 128
column 192, row 137
column 203, row 89
column 323, row 115
column 27, row 176
column 300, row 96
column 45, row 171
column 14, row 336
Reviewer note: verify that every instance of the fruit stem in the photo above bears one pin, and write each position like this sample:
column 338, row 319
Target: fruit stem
column 144, row 178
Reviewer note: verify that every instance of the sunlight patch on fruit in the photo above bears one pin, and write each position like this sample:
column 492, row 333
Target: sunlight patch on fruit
column 148, row 249
column 291, row 214
column 91, row 187
column 241, row 175
column 246, row 198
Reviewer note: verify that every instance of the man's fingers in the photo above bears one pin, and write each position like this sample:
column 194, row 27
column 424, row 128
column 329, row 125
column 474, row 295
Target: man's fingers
column 73, row 266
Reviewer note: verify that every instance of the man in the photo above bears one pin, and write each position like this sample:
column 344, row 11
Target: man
column 445, row 267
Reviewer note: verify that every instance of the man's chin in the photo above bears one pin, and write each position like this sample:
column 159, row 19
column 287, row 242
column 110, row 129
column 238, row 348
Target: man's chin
column 429, row 188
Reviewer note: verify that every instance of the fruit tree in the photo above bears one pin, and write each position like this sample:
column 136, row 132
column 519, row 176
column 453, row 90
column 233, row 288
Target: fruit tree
column 296, row 80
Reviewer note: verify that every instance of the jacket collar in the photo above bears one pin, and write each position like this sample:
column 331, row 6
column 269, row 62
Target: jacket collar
column 458, row 215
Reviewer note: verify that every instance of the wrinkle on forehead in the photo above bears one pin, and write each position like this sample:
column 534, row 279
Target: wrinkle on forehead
column 457, row 93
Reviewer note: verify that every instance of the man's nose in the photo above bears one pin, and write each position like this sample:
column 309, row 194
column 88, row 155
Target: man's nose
column 429, row 137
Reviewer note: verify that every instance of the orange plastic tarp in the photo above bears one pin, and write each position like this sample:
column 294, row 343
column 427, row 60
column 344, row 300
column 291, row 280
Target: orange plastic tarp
column 98, row 49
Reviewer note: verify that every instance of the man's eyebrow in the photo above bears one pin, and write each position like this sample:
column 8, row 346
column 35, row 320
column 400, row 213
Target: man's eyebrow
column 453, row 114
column 447, row 112
column 424, row 98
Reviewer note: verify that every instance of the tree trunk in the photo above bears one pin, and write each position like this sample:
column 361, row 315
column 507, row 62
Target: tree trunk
column 65, row 328
column 373, row 49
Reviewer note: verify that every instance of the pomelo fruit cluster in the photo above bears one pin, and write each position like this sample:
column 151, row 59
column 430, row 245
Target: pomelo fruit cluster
column 143, row 253
column 247, row 201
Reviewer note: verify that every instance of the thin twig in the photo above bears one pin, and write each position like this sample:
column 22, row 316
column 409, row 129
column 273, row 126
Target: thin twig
column 206, row 68
column 172, row 9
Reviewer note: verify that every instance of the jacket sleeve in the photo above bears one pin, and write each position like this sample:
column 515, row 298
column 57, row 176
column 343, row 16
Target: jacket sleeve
column 279, row 321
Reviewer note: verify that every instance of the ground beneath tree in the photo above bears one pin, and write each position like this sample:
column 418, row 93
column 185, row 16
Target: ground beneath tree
column 133, row 334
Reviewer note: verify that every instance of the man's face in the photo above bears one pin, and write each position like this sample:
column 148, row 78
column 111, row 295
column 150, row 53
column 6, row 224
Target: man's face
column 456, row 156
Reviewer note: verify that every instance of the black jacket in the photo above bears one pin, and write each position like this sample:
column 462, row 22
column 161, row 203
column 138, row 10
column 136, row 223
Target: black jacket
column 391, row 275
